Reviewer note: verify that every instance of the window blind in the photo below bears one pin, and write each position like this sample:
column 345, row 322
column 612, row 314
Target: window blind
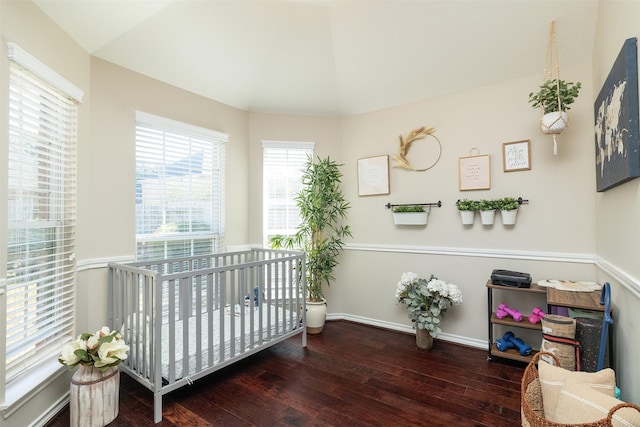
column 282, row 164
column 179, row 188
column 41, row 216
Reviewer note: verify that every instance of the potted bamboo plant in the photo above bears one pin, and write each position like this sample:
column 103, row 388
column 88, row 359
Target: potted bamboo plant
column 320, row 234
column 554, row 98
column 410, row 215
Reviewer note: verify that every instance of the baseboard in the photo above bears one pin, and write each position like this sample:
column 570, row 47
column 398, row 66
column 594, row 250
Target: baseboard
column 469, row 342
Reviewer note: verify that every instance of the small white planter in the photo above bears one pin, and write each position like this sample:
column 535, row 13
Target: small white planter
column 467, row 217
column 411, row 218
column 509, row 217
column 487, row 217
column 316, row 316
column 554, row 123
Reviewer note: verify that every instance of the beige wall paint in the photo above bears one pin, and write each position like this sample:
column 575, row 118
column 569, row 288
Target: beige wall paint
column 617, row 210
column 556, row 224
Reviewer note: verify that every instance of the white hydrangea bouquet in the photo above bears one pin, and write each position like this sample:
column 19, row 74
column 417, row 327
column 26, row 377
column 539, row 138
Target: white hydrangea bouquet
column 427, row 300
column 102, row 349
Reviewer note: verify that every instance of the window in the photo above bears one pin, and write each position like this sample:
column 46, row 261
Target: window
column 179, row 189
column 282, row 165
column 41, row 200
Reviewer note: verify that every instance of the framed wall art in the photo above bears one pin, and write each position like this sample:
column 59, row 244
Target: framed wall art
column 475, row 172
column 616, row 121
column 516, row 156
column 373, row 176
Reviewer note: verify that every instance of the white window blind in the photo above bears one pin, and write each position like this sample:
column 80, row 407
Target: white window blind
column 179, row 188
column 282, row 165
column 41, row 214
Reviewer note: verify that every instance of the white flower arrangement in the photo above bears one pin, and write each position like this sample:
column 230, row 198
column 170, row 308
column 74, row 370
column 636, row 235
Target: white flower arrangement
column 102, row 349
column 427, row 300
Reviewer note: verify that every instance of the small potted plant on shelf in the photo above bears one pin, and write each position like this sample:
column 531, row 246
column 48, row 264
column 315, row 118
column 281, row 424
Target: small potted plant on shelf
column 554, row 99
column 410, row 215
column 467, row 209
column 487, row 210
column 508, row 209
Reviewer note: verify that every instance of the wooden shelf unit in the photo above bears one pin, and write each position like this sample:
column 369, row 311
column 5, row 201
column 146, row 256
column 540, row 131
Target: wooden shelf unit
column 512, row 354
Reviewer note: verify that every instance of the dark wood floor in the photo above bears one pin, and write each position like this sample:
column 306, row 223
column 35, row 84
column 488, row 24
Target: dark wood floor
column 350, row 375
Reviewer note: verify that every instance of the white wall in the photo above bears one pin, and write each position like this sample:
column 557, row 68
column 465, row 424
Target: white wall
column 617, row 210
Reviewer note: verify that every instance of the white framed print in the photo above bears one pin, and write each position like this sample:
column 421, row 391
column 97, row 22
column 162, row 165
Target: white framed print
column 373, row 176
column 516, row 156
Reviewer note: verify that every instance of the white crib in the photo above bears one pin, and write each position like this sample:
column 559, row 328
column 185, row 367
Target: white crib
column 186, row 318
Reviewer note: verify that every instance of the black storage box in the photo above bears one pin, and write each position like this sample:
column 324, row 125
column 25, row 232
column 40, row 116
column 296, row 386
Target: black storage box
column 513, row 279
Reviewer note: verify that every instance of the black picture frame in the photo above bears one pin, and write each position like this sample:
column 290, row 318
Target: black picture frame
column 616, row 127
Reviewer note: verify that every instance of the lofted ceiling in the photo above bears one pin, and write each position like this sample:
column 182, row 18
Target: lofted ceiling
column 328, row 57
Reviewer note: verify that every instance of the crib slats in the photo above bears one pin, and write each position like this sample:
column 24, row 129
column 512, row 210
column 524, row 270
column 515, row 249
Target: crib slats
column 185, row 318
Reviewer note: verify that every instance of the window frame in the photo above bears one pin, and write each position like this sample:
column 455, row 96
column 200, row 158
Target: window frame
column 32, row 84
column 167, row 132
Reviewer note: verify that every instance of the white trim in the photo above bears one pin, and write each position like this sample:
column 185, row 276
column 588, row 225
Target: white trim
column 478, row 253
column 470, row 342
column 31, row 63
column 300, row 145
column 21, row 391
column 625, row 279
column 53, row 411
column 94, row 263
column 163, row 122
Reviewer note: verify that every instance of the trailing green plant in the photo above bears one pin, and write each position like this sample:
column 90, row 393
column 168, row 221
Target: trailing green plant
column 467, row 205
column 555, row 95
column 487, row 205
column 508, row 204
column 408, row 209
column 320, row 234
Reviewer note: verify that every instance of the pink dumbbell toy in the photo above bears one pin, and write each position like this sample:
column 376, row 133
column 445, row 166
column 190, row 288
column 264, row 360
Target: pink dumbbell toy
column 504, row 311
column 536, row 315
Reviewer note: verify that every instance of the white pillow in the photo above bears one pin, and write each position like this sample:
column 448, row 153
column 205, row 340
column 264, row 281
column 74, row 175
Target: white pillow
column 578, row 404
column 553, row 379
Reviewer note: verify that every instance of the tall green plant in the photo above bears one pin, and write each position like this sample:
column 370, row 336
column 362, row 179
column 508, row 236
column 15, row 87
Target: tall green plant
column 320, row 235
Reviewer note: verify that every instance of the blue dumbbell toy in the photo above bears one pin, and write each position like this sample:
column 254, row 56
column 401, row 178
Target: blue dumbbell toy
column 509, row 340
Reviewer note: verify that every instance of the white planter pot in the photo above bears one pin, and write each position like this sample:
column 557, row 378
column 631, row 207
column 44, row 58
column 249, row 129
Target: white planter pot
column 554, row 123
column 509, row 217
column 467, row 217
column 411, row 218
column 316, row 316
column 487, row 217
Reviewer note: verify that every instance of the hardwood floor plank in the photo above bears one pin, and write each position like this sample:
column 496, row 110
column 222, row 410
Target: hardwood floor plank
column 350, row 375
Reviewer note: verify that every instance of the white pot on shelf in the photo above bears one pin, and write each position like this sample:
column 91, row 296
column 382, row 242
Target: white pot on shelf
column 554, row 123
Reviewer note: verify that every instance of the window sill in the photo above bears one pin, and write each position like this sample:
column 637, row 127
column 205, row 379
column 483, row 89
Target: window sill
column 29, row 385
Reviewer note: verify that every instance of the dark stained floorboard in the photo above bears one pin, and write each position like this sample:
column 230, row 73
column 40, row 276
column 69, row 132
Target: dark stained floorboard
column 349, row 375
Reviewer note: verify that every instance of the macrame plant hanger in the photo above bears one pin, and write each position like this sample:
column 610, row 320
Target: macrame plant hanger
column 551, row 65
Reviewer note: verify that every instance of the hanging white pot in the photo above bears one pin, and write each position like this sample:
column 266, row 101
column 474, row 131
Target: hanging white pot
column 411, row 218
column 554, row 123
column 467, row 217
column 509, row 217
column 487, row 217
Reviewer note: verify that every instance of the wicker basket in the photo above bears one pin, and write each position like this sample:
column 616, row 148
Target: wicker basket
column 531, row 397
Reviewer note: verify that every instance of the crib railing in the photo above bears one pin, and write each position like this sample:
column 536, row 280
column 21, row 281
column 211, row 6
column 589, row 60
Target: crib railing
column 184, row 318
